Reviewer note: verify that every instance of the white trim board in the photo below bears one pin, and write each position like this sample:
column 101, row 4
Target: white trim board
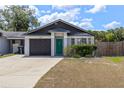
column 80, row 36
column 16, row 38
column 50, row 36
column 38, row 37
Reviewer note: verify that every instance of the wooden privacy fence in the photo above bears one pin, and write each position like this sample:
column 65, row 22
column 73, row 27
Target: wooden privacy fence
column 110, row 48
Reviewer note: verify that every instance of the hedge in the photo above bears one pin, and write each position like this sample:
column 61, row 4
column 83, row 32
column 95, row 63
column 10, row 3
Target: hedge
column 79, row 50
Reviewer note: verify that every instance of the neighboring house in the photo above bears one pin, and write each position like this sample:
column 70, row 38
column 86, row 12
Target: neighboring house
column 50, row 39
column 10, row 42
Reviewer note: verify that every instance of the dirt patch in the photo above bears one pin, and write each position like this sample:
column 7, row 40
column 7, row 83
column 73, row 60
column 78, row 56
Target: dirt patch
column 84, row 73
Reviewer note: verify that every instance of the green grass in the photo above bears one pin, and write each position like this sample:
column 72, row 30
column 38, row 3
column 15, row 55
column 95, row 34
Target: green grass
column 116, row 59
column 7, row 55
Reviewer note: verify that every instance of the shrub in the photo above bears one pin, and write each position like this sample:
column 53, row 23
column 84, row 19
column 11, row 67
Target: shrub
column 79, row 50
column 76, row 56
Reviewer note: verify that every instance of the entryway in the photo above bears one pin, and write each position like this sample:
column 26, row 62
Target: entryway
column 59, row 46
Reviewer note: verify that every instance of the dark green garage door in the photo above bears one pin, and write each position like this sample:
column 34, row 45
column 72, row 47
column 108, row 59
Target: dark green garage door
column 40, row 47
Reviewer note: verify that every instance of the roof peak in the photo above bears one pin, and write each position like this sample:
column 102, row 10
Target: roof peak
column 57, row 20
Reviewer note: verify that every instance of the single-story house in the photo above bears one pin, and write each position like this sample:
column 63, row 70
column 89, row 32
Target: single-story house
column 50, row 39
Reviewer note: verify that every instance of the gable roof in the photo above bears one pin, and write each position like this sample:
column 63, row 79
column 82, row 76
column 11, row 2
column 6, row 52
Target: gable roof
column 55, row 23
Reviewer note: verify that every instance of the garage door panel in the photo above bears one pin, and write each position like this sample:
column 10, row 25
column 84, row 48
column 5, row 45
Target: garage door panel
column 40, row 47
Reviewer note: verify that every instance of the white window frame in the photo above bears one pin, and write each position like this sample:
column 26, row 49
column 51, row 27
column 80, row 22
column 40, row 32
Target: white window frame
column 72, row 41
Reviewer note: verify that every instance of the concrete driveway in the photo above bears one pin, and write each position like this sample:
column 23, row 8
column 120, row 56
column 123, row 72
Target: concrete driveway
column 24, row 72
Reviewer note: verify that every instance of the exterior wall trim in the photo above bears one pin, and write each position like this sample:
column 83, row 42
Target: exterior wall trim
column 65, row 41
column 52, row 44
column 16, row 38
column 27, row 47
column 80, row 36
column 37, row 37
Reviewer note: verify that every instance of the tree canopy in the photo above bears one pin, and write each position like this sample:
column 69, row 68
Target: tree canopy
column 111, row 35
column 18, row 18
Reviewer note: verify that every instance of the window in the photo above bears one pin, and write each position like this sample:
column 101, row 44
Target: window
column 13, row 41
column 72, row 41
column 89, row 40
column 22, row 42
column 78, row 41
column 82, row 41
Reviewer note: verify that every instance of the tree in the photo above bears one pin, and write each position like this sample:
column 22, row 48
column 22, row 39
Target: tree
column 119, row 33
column 112, row 35
column 99, row 35
column 18, row 18
column 109, row 37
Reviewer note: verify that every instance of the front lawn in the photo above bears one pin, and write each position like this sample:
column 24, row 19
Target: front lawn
column 116, row 59
column 84, row 73
column 6, row 55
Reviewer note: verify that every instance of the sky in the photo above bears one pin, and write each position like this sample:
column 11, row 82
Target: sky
column 89, row 17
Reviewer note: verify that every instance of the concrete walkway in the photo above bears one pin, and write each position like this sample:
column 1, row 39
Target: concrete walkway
column 24, row 72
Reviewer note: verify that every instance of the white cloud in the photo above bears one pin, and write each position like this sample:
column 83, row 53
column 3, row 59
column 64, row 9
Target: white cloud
column 43, row 11
column 86, row 23
column 63, row 7
column 70, row 15
column 113, row 24
column 58, row 6
column 96, row 8
column 37, row 11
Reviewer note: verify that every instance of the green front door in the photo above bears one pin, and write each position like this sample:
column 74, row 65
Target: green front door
column 59, row 47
